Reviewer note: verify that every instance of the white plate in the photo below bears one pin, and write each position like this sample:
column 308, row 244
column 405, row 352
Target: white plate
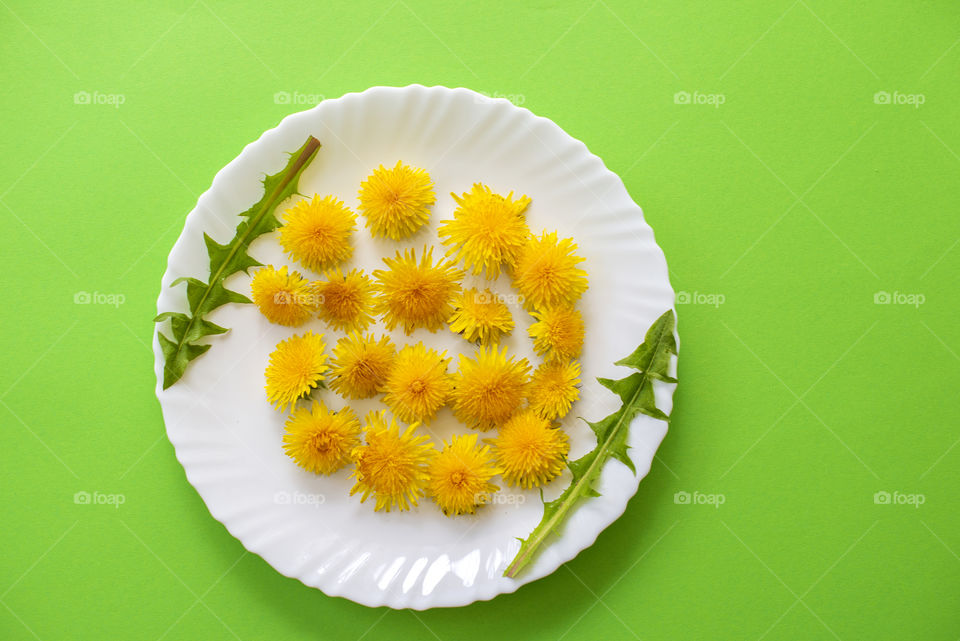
column 228, row 438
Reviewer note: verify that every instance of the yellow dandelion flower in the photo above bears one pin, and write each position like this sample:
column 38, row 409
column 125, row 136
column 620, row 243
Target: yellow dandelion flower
column 345, row 300
column 418, row 384
column 487, row 230
column 296, row 368
column 392, row 466
column 546, row 274
column 489, row 388
column 321, row 441
column 558, row 333
column 360, row 365
column 554, row 387
column 460, row 476
column 284, row 298
column 480, row 316
column 530, row 450
column 317, row 232
column 416, row 295
column 395, row 201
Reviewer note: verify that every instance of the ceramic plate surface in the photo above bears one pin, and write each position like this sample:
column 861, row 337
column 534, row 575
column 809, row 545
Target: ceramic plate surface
column 227, row 437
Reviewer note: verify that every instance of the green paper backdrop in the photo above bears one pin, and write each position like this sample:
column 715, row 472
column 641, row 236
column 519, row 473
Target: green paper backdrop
column 799, row 162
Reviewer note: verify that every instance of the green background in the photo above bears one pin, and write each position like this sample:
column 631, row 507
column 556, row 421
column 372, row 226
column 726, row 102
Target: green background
column 785, row 212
